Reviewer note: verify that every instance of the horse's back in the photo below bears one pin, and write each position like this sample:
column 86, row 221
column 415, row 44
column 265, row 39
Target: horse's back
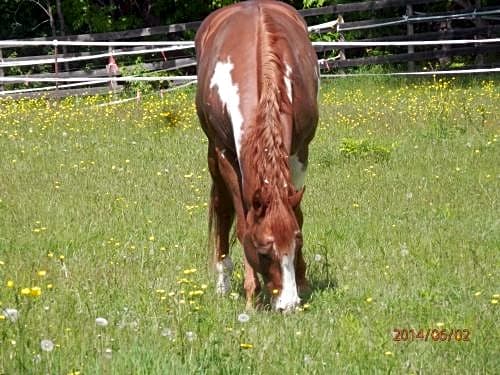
column 232, row 35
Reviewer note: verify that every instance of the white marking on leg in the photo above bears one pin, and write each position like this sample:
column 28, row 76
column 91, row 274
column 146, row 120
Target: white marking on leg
column 288, row 81
column 298, row 171
column 224, row 270
column 229, row 96
column 288, row 298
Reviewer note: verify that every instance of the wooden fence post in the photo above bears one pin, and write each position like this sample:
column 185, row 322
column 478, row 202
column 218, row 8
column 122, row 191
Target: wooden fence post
column 340, row 20
column 1, row 71
column 112, row 70
column 56, row 65
column 409, row 32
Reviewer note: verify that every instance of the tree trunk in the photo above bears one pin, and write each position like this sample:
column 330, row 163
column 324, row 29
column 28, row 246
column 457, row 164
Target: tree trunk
column 62, row 30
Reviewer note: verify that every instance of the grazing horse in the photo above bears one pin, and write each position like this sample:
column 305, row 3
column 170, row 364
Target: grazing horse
column 257, row 104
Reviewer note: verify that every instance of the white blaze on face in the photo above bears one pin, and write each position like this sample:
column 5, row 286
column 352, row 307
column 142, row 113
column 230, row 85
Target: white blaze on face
column 229, row 96
column 288, row 81
column 288, row 298
column 298, row 171
column 224, row 270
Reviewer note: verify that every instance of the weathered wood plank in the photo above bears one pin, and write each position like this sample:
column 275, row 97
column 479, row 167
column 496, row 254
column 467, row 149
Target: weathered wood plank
column 417, row 56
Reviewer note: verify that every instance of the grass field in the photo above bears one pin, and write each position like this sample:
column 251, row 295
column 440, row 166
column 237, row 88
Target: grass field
column 103, row 238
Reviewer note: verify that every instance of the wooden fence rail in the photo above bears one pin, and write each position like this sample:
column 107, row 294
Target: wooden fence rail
column 482, row 23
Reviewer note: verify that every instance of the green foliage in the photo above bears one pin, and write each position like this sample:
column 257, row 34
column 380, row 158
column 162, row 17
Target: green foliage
column 313, row 3
column 363, row 148
column 136, row 70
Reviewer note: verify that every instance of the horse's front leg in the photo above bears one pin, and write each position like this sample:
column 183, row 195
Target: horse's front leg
column 300, row 263
column 252, row 285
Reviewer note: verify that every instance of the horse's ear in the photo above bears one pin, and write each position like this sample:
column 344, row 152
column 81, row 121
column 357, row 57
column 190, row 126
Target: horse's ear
column 296, row 197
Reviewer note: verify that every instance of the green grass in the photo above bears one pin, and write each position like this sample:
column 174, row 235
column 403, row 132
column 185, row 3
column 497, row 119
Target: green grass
column 401, row 231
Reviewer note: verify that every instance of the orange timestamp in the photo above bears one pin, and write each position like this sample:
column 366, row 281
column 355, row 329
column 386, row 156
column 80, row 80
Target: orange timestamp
column 430, row 334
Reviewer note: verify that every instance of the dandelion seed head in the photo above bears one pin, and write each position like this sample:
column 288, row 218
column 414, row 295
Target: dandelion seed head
column 47, row 345
column 11, row 314
column 101, row 322
column 243, row 318
column 108, row 353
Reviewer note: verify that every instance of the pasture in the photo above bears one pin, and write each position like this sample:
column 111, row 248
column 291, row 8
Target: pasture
column 103, row 238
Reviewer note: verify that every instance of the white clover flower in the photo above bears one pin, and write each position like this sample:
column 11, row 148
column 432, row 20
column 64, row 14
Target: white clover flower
column 101, row 322
column 190, row 336
column 243, row 318
column 317, row 257
column 11, row 314
column 47, row 345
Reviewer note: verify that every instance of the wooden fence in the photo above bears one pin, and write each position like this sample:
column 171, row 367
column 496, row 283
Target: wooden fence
column 414, row 24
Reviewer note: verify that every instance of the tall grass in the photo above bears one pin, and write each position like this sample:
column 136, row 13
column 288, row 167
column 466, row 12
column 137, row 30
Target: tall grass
column 103, row 215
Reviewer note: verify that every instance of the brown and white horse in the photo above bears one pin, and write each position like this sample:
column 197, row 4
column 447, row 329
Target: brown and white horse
column 257, row 104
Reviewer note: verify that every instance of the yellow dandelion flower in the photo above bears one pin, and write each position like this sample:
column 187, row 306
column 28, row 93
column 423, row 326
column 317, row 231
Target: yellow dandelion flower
column 369, row 299
column 494, row 301
column 10, row 284
column 35, row 291
column 189, row 271
column 25, row 291
column 1, row 261
column 160, row 291
column 496, row 296
column 50, row 286
column 477, row 294
column 275, row 291
column 42, row 273
column 388, row 353
column 151, row 238
column 246, row 346
column 50, row 254
column 2, row 317
column 440, row 324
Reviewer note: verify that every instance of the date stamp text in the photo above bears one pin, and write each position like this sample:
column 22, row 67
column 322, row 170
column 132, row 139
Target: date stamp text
column 430, row 334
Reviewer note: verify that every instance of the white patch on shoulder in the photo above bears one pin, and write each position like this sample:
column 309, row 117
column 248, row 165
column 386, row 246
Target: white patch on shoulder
column 288, row 81
column 229, row 96
column 224, row 270
column 298, row 171
column 288, row 298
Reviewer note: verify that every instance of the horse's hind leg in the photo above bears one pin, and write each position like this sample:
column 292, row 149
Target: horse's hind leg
column 221, row 216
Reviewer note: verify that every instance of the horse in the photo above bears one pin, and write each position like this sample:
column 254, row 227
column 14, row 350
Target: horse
column 256, row 101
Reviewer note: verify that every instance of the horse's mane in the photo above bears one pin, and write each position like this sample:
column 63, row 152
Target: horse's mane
column 263, row 143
